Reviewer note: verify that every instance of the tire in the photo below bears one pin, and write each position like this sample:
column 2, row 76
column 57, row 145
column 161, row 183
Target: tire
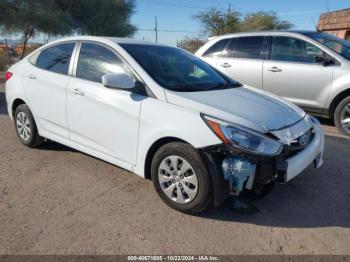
column 26, row 128
column 195, row 178
column 341, row 114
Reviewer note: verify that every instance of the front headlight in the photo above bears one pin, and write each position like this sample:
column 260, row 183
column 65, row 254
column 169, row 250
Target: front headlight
column 243, row 138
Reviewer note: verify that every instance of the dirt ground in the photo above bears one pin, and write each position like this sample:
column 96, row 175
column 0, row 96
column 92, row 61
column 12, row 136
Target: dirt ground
column 55, row 200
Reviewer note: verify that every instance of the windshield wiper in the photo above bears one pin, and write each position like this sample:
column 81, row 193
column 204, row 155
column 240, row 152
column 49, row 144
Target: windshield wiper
column 225, row 85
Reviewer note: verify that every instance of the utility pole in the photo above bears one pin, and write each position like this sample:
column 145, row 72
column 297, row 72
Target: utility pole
column 156, row 29
column 229, row 8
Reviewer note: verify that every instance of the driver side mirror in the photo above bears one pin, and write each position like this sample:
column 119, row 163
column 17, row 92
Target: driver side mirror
column 119, row 81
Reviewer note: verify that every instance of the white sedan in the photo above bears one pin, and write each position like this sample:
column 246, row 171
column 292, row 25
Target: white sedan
column 163, row 114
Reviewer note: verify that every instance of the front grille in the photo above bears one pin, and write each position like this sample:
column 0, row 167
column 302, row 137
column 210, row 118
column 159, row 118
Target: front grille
column 299, row 144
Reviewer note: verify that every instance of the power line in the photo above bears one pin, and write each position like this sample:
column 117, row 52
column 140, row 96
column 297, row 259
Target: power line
column 172, row 5
column 167, row 31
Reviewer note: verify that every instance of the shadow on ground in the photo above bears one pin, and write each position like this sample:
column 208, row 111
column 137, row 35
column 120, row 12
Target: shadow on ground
column 316, row 198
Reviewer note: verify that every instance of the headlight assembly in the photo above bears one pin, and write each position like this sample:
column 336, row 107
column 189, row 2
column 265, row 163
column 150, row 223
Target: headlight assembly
column 243, row 138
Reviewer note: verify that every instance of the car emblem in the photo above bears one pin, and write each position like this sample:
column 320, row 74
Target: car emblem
column 304, row 139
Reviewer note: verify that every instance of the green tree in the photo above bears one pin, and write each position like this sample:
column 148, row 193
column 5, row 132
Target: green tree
column 218, row 22
column 264, row 21
column 96, row 17
column 191, row 44
column 28, row 17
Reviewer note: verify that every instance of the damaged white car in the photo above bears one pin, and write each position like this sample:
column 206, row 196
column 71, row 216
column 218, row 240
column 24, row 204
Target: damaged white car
column 163, row 114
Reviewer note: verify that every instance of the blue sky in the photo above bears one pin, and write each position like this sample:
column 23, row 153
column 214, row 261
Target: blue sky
column 172, row 17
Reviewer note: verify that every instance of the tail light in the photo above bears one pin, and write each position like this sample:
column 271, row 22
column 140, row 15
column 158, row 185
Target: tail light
column 8, row 75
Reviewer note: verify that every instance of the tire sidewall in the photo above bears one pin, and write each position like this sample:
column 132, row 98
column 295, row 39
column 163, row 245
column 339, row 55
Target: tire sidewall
column 203, row 197
column 337, row 113
column 33, row 130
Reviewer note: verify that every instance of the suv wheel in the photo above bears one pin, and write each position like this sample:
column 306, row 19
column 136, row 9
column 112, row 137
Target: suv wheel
column 181, row 178
column 26, row 127
column 342, row 116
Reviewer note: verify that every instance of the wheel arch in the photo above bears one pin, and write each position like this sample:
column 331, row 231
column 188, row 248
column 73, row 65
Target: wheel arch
column 153, row 149
column 336, row 100
column 15, row 104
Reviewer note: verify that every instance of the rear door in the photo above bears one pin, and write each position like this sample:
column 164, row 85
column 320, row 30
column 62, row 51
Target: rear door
column 45, row 85
column 243, row 60
column 296, row 72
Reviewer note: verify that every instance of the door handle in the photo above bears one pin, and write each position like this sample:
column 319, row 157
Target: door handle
column 78, row 92
column 275, row 69
column 32, row 76
column 225, row 65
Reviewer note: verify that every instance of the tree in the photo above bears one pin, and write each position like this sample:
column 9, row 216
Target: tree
column 264, row 21
column 96, row 17
column 191, row 44
column 27, row 17
column 217, row 22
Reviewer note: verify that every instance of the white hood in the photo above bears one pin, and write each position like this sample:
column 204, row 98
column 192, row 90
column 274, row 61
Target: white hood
column 245, row 106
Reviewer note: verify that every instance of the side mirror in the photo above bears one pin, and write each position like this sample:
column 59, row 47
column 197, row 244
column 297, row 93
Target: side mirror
column 118, row 81
column 328, row 61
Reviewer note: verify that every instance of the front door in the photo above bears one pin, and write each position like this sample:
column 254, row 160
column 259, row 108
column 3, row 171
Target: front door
column 296, row 72
column 100, row 118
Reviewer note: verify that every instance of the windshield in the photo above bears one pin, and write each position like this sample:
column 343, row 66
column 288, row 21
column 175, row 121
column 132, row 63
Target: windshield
column 176, row 69
column 340, row 46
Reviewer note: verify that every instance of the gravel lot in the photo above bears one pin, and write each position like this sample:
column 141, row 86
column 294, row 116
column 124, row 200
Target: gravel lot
column 55, row 200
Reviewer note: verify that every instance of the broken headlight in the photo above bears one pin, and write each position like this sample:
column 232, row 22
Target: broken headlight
column 243, row 138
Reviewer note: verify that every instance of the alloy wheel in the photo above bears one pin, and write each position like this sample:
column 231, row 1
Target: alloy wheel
column 345, row 118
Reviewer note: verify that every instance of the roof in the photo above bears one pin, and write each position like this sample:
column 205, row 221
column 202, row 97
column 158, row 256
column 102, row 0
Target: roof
column 272, row 32
column 118, row 40
column 336, row 20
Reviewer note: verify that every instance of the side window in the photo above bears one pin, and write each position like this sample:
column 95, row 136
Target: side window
column 230, row 49
column 56, row 59
column 216, row 49
column 95, row 61
column 294, row 50
column 249, row 47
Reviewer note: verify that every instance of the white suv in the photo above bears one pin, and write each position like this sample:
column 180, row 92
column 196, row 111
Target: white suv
column 308, row 68
column 163, row 114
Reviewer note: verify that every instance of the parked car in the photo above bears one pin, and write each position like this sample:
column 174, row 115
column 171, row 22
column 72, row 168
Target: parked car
column 162, row 113
column 308, row 68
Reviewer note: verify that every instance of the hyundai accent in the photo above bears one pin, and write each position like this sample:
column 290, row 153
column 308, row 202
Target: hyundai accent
column 163, row 114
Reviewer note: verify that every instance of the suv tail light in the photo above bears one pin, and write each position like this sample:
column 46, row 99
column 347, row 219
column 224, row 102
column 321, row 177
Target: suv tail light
column 8, row 75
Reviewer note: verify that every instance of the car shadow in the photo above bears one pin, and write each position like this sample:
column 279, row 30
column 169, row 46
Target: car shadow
column 3, row 104
column 316, row 198
column 53, row 146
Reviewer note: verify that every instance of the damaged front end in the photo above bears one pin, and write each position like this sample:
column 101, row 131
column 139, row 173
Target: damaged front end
column 237, row 170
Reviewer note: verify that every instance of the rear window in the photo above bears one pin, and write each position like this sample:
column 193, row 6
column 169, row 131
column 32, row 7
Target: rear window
column 56, row 58
column 249, row 47
column 216, row 49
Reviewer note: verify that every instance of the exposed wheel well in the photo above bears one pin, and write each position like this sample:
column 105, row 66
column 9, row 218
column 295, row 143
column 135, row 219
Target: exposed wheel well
column 153, row 149
column 337, row 100
column 15, row 104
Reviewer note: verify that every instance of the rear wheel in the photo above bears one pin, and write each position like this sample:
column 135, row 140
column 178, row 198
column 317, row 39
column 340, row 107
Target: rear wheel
column 342, row 116
column 181, row 178
column 26, row 127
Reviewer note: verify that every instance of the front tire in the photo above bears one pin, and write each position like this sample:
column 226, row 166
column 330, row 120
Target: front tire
column 26, row 128
column 181, row 178
column 342, row 116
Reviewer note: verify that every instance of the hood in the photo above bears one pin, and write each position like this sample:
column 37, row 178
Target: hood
column 245, row 106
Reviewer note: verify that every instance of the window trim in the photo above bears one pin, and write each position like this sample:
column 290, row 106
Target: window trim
column 37, row 54
column 269, row 46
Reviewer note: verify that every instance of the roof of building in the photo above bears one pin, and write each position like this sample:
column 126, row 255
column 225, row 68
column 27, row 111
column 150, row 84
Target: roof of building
column 336, row 20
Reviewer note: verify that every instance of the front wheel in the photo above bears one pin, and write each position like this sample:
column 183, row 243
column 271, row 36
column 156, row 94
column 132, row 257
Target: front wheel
column 181, row 178
column 342, row 116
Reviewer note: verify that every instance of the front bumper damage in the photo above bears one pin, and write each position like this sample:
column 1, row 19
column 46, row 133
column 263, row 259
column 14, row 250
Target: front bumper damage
column 236, row 172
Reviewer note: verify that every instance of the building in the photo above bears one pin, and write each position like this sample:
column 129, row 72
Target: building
column 336, row 23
